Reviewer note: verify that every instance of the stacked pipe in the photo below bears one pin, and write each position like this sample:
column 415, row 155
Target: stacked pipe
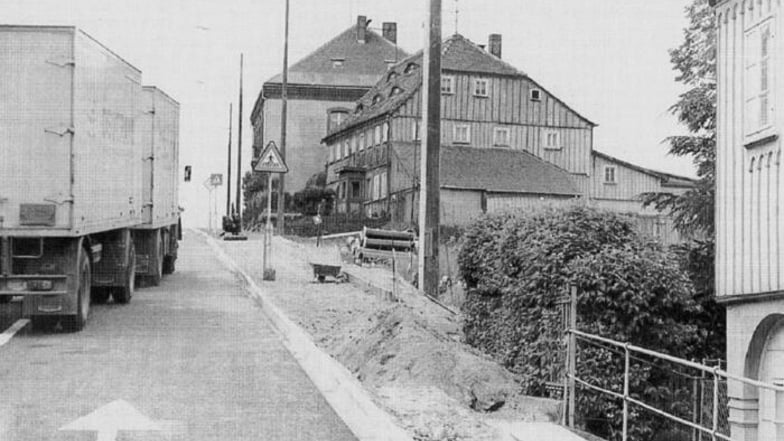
column 385, row 240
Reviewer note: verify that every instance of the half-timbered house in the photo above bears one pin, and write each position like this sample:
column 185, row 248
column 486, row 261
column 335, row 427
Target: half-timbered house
column 521, row 146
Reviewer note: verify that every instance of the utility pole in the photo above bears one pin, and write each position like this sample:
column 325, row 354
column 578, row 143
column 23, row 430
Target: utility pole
column 228, row 180
column 283, row 119
column 429, row 201
column 239, row 153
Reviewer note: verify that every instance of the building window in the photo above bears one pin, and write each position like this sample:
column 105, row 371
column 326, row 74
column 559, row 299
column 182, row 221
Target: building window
column 551, row 139
column 759, row 68
column 362, row 141
column 609, row 174
column 417, row 130
column 335, row 117
column 501, row 136
column 354, row 143
column 385, row 132
column 536, row 95
column 382, row 192
column 347, row 146
column 462, row 134
column 342, row 191
column 356, row 192
column 376, row 187
column 447, row 84
column 377, row 138
column 480, row 87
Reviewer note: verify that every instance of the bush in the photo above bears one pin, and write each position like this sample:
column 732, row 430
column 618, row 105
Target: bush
column 311, row 200
column 630, row 289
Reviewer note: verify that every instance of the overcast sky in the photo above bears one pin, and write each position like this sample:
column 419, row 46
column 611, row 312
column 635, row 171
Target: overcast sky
column 607, row 59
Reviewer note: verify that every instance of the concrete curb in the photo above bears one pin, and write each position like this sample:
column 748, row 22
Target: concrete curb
column 343, row 392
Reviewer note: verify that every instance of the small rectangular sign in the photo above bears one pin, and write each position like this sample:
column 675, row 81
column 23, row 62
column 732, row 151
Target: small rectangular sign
column 37, row 214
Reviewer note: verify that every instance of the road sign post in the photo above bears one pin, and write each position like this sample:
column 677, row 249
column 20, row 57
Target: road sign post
column 214, row 181
column 270, row 161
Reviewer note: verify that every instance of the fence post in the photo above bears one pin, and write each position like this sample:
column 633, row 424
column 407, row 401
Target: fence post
column 626, row 374
column 695, row 434
column 715, row 402
column 572, row 351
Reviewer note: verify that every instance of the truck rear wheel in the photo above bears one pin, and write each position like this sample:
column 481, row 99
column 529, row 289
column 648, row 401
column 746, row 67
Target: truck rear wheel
column 157, row 275
column 75, row 323
column 123, row 294
column 168, row 264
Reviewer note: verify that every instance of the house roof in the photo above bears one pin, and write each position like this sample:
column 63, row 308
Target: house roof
column 668, row 179
column 362, row 63
column 502, row 170
column 458, row 54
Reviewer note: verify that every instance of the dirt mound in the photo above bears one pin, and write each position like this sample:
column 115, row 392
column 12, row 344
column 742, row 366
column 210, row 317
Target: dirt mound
column 398, row 348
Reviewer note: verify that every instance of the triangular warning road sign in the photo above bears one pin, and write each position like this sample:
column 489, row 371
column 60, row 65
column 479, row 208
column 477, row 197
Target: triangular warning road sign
column 270, row 160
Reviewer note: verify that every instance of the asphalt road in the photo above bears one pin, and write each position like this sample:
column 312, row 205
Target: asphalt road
column 193, row 359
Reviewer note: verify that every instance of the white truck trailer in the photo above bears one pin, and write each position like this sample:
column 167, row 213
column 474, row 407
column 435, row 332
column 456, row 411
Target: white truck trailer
column 77, row 155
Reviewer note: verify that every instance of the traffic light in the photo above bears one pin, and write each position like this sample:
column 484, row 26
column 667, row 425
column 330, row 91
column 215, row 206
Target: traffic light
column 187, row 173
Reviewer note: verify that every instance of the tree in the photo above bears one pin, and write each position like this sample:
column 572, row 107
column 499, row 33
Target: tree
column 254, row 192
column 693, row 212
column 695, row 62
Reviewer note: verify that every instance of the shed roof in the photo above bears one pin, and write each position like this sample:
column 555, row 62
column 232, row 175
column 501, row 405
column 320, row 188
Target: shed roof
column 503, row 170
column 668, row 179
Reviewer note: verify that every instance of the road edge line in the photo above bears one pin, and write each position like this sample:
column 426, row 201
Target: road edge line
column 344, row 393
column 9, row 333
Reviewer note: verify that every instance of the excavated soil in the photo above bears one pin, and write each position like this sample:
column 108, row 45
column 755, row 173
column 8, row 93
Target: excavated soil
column 405, row 349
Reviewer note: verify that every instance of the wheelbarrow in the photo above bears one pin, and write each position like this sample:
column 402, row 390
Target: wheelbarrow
column 322, row 271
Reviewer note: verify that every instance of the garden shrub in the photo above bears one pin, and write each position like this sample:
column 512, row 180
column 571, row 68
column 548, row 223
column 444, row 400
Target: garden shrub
column 630, row 289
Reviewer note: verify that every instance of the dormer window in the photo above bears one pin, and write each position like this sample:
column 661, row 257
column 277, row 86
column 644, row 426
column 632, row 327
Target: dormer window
column 396, row 91
column 359, row 108
column 377, row 99
column 338, row 62
column 391, row 76
column 411, row 67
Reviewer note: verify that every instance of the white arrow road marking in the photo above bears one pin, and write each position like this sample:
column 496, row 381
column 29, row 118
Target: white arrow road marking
column 110, row 419
column 6, row 336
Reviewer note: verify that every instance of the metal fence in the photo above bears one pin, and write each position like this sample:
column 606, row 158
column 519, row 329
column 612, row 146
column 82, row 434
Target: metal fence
column 673, row 398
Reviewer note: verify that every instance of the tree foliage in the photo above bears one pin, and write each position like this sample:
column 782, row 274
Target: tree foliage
column 695, row 63
column 630, row 289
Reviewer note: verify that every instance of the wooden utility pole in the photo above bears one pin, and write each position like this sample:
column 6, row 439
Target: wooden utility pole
column 239, row 153
column 429, row 201
column 283, row 119
column 228, row 179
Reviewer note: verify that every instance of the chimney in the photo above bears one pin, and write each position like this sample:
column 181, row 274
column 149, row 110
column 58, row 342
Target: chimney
column 494, row 45
column 389, row 31
column 361, row 28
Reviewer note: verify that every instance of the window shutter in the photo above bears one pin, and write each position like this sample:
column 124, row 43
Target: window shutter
column 752, row 81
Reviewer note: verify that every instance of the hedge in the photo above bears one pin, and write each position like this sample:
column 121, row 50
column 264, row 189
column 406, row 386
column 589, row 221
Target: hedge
column 630, row 289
